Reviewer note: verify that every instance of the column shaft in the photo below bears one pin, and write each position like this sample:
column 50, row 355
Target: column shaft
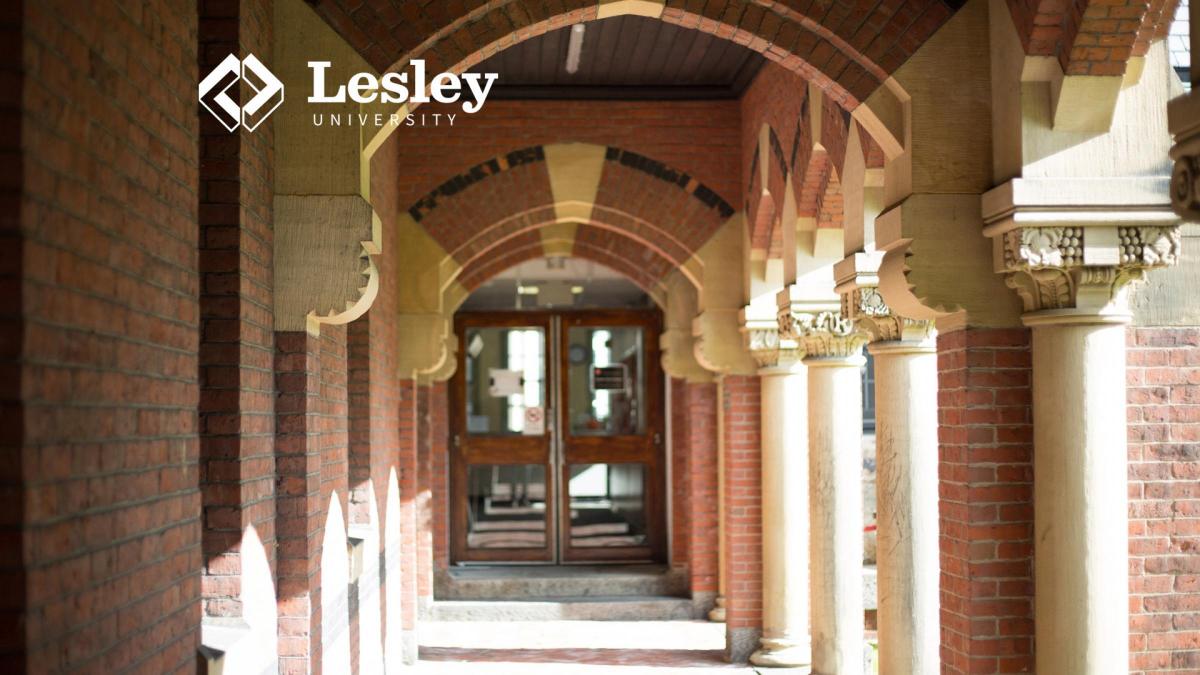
column 835, row 502
column 906, row 484
column 785, row 640
column 1081, row 575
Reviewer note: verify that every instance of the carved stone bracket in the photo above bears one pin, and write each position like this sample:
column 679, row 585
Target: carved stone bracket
column 865, row 307
column 1079, row 252
column 1183, row 120
column 324, row 272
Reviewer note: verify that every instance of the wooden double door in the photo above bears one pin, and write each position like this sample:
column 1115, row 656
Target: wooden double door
column 557, row 451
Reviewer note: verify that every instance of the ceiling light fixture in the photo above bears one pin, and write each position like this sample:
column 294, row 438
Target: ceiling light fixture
column 574, row 48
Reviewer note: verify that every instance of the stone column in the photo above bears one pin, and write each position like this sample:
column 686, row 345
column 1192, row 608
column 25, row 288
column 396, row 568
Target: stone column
column 1081, row 566
column 785, row 641
column 833, row 358
column 906, row 481
column 1073, row 282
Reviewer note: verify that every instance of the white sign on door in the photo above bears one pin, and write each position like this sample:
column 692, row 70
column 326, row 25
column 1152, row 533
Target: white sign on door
column 535, row 421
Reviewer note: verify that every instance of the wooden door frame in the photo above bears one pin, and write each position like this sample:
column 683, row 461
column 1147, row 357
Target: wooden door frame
column 460, row 443
column 463, row 452
column 648, row 447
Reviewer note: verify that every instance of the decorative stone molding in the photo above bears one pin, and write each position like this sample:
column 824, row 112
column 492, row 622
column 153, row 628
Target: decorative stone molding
column 1075, row 246
column 1183, row 120
column 324, row 272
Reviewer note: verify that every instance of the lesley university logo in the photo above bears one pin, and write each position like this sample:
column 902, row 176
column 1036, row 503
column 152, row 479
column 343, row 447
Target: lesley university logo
column 214, row 92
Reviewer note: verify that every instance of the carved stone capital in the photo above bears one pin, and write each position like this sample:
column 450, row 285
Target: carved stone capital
column 1079, row 251
column 865, row 307
column 768, row 348
column 822, row 334
column 1048, row 266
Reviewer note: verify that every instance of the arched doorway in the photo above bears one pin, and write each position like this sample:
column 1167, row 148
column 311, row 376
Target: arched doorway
column 558, row 450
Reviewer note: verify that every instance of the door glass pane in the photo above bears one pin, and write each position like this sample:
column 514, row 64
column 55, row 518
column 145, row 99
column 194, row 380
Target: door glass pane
column 606, row 380
column 507, row 506
column 608, row 505
column 506, row 369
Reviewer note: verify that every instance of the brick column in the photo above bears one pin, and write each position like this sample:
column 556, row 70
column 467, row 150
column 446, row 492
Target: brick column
column 99, row 337
column 703, row 445
column 300, row 521
column 424, row 514
column 439, row 430
column 363, row 516
column 986, row 490
column 680, row 478
column 407, row 468
column 236, row 408
column 332, row 444
column 741, row 409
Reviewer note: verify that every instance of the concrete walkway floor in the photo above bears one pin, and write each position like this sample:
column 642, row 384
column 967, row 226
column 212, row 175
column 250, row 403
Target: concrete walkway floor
column 534, row 647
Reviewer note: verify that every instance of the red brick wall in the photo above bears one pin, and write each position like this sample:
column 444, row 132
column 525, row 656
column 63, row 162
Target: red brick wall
column 741, row 411
column 237, row 463
column 1163, row 366
column 986, row 492
column 701, row 402
column 106, row 439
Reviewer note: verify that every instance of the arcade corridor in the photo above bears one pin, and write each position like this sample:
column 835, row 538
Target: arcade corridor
column 361, row 337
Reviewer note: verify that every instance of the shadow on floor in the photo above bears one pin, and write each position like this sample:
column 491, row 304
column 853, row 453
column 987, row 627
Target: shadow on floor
column 676, row 658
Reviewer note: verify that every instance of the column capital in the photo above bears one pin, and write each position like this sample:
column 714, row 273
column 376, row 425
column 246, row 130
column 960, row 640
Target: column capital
column 1072, row 247
column 822, row 334
column 769, row 349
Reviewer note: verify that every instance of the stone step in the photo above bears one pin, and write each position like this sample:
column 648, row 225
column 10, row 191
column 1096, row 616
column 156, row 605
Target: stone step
column 574, row 581
column 586, row 608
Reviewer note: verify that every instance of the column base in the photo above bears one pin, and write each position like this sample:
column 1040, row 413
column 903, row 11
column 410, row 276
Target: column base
column 783, row 654
column 408, row 640
column 740, row 643
column 717, row 613
column 703, row 602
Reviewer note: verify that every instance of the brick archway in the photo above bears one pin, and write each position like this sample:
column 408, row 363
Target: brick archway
column 600, row 244
column 847, row 54
column 623, row 209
